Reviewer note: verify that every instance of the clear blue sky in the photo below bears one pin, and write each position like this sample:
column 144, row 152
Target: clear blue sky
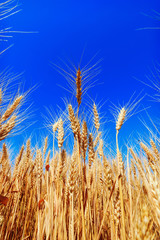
column 65, row 28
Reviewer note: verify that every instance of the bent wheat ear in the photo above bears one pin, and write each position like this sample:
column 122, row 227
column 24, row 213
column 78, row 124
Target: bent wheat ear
column 6, row 128
column 11, row 109
column 148, row 152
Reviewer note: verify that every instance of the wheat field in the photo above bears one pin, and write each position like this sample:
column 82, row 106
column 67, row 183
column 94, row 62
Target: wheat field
column 50, row 193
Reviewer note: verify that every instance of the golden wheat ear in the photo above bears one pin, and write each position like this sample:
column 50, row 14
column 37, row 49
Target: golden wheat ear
column 60, row 133
column 96, row 117
column 74, row 121
column 79, row 80
column 12, row 108
column 120, row 119
column 11, row 117
column 79, row 87
column 7, row 127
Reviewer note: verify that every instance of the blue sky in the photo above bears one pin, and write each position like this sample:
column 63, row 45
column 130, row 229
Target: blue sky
column 66, row 29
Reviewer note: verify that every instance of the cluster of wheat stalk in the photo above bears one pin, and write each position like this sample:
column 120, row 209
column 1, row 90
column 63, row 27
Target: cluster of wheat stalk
column 51, row 194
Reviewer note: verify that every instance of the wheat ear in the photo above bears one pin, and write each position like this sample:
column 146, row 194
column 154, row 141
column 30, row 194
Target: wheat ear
column 120, row 119
column 7, row 127
column 79, row 87
column 96, row 117
column 11, row 109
